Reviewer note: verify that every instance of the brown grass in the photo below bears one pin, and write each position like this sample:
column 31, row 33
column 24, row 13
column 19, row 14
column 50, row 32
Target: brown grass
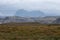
column 29, row 31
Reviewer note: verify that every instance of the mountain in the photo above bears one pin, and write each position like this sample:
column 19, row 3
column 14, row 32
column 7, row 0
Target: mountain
column 42, row 20
column 57, row 21
column 15, row 19
column 25, row 13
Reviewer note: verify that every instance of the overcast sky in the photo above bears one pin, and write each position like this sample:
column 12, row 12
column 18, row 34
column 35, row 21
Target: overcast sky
column 49, row 5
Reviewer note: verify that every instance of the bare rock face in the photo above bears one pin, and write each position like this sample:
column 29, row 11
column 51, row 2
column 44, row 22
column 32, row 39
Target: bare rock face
column 57, row 21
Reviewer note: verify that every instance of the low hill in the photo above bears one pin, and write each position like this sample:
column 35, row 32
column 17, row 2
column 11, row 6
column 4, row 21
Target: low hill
column 41, row 20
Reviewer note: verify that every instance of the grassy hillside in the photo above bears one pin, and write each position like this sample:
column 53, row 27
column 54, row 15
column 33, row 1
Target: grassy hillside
column 29, row 31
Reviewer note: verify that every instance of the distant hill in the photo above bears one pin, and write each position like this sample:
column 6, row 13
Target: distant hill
column 42, row 20
column 34, row 13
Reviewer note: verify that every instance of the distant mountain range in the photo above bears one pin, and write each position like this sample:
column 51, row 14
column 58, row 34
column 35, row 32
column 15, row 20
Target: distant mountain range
column 42, row 20
column 30, row 16
column 33, row 13
column 29, row 13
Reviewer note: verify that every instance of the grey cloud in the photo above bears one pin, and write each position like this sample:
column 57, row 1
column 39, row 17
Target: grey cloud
column 31, row 4
column 43, row 5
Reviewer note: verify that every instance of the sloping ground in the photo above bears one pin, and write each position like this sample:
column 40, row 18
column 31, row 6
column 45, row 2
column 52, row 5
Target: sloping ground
column 29, row 31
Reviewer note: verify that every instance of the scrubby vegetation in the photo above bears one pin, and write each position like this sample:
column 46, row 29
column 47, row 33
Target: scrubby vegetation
column 29, row 31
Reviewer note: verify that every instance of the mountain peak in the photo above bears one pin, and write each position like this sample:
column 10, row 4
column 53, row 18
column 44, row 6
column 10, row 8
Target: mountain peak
column 33, row 13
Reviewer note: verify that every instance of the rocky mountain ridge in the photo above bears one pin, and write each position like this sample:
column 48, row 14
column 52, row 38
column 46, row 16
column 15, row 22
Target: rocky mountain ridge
column 42, row 20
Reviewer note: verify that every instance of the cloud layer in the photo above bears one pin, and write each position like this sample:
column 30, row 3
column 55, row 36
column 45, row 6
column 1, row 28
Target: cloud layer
column 32, row 4
column 43, row 5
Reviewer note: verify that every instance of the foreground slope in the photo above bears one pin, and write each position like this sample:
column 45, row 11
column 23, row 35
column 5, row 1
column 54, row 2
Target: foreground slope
column 29, row 31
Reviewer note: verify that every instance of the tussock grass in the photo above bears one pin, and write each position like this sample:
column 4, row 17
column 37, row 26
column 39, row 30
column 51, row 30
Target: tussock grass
column 29, row 31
